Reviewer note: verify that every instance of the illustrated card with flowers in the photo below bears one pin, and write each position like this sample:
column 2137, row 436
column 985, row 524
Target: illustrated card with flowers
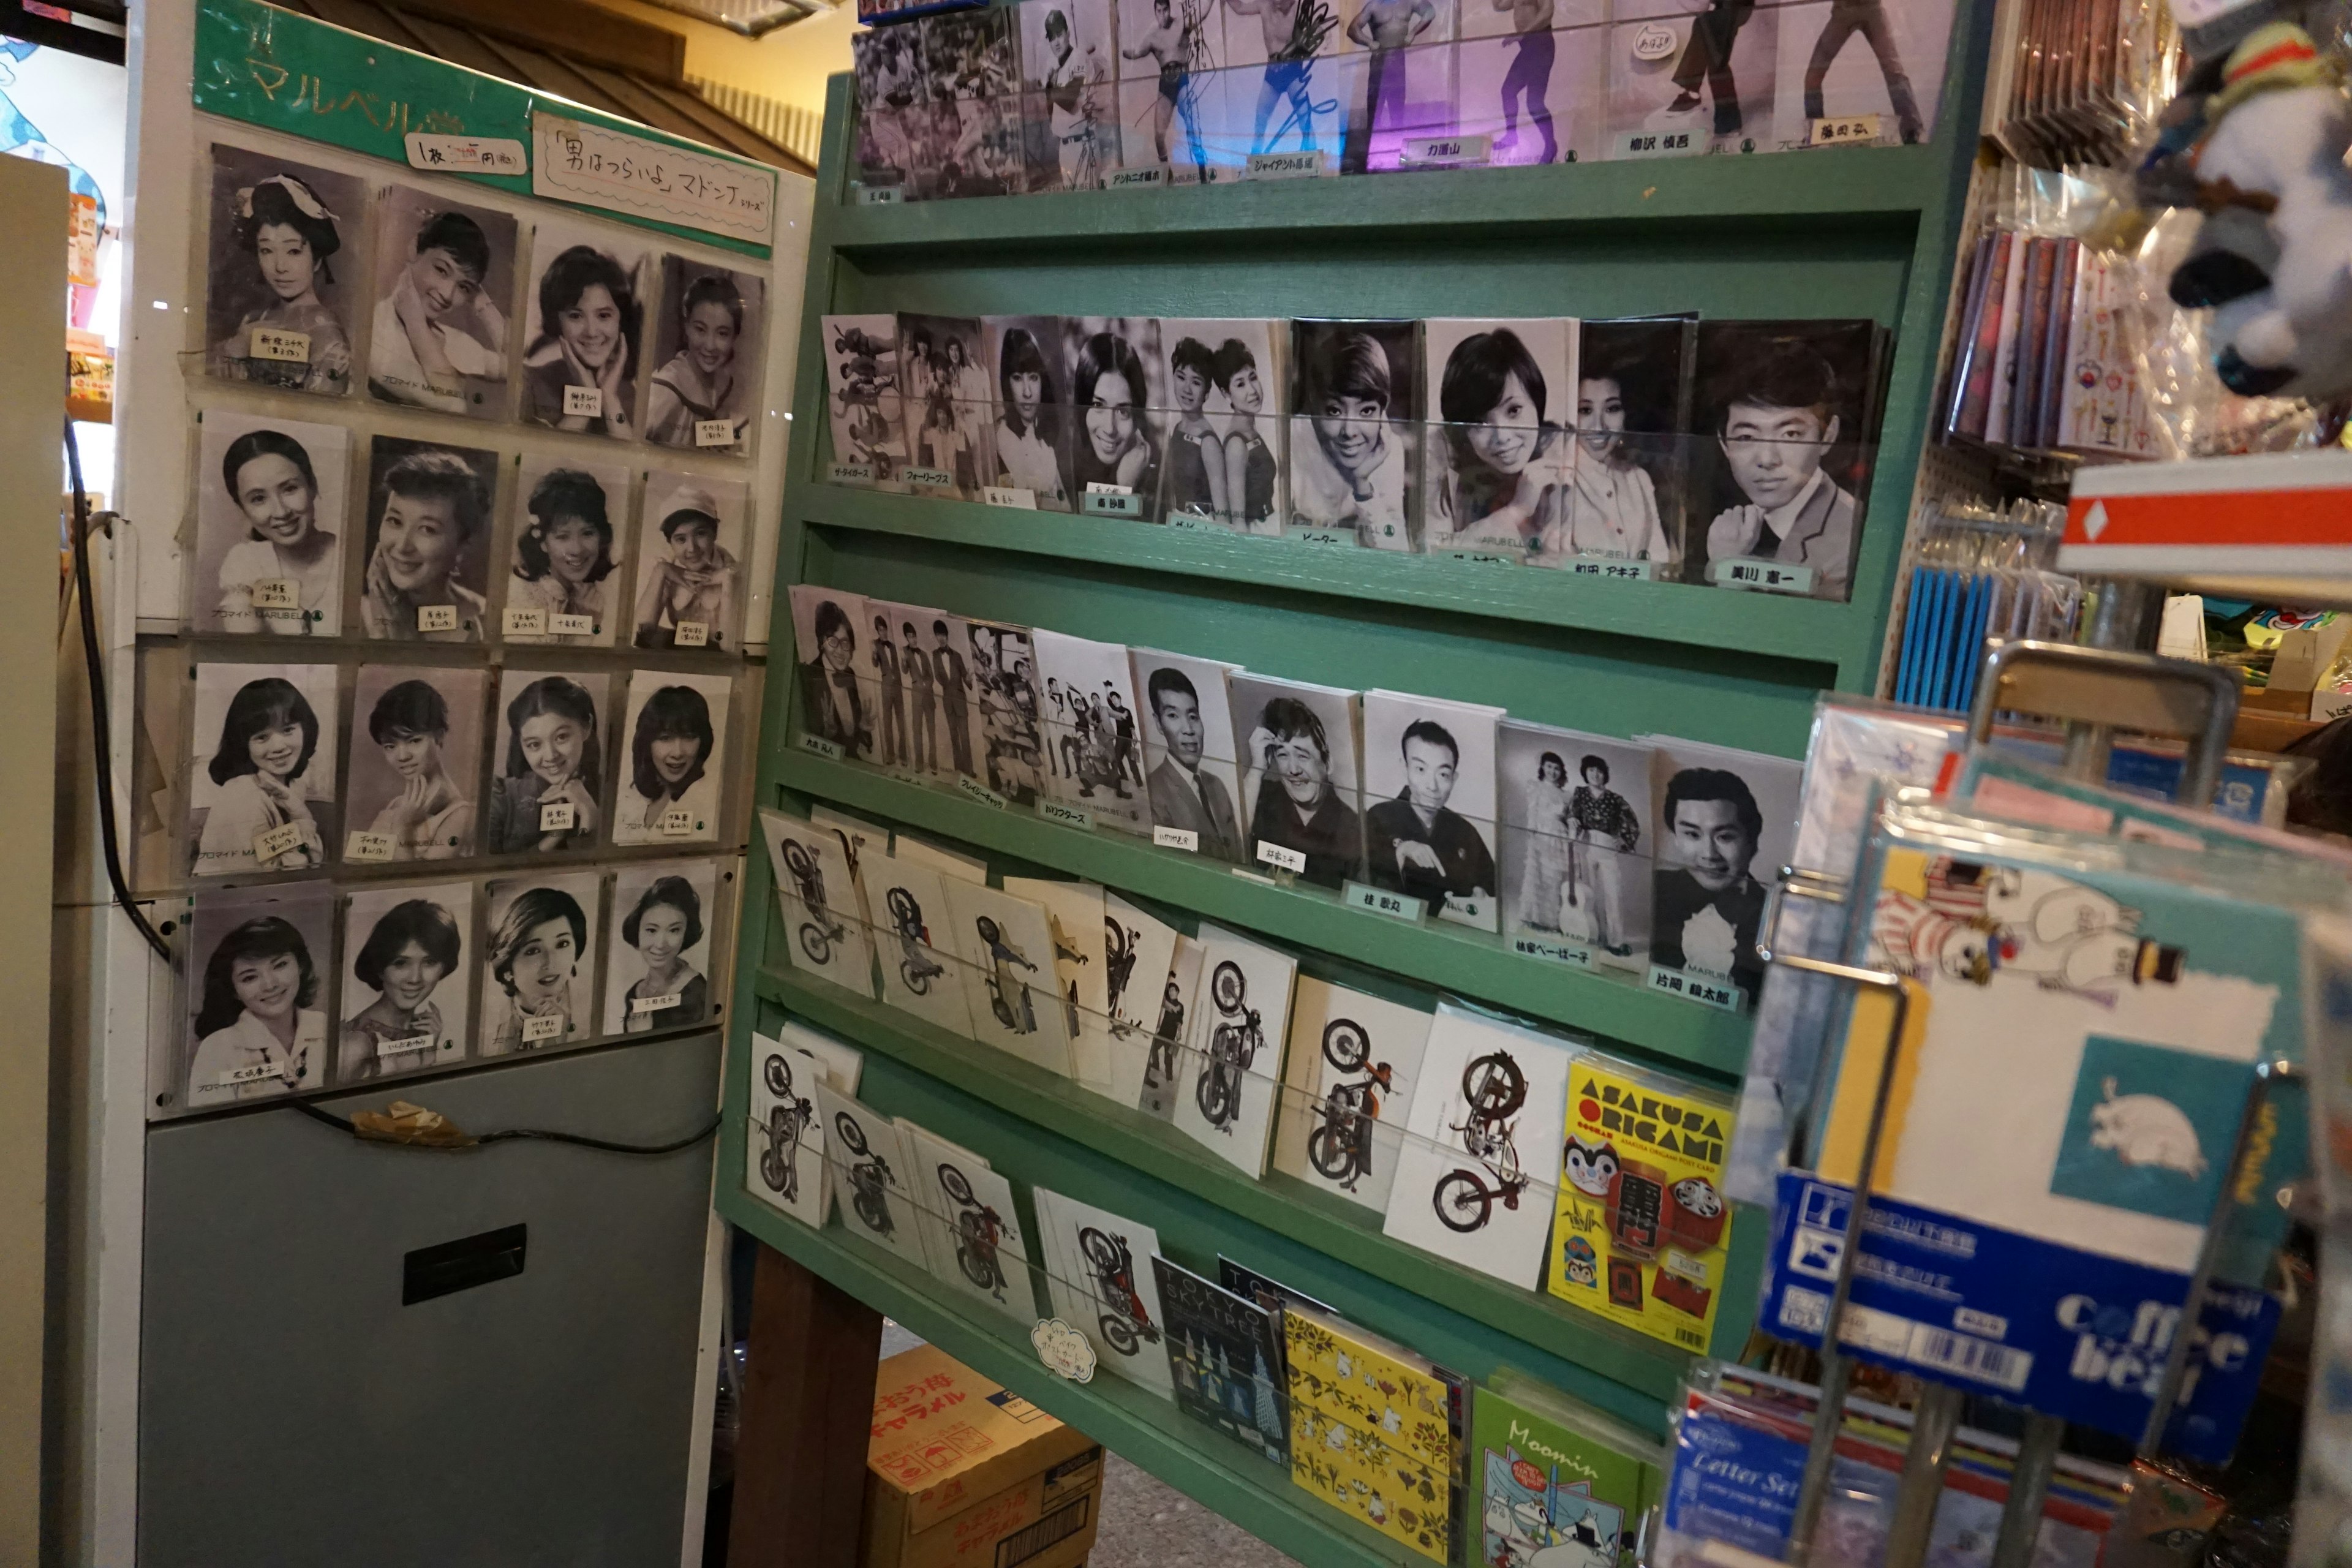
column 1372, row 1431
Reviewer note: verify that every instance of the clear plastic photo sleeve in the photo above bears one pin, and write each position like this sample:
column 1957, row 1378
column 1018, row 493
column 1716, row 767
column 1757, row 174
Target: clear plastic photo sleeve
column 1576, row 844
column 1355, row 411
column 1191, row 778
column 691, row 547
column 441, row 335
column 833, row 707
column 1531, row 81
column 259, row 992
column 660, row 971
column 1301, row 778
column 1354, row 1060
column 950, row 405
column 1866, row 74
column 1285, row 86
column 1220, row 464
column 1429, row 805
column 408, row 980
column 1069, row 69
column 261, row 789
column 416, row 765
column 709, row 347
column 537, row 962
column 426, row 570
column 1231, row 1077
column 888, row 75
column 1683, row 85
column 1004, row 675
column 568, row 553
column 585, row 340
column 1028, row 443
column 824, row 930
column 280, row 312
column 1117, row 370
column 1094, row 756
column 1724, row 821
column 865, row 421
column 551, row 753
column 933, row 695
column 672, row 760
column 784, row 1148
column 272, row 497
column 1498, row 439
column 922, row 971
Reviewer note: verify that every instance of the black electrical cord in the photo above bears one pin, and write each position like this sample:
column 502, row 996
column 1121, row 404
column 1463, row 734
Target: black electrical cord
column 101, row 727
column 511, row 1134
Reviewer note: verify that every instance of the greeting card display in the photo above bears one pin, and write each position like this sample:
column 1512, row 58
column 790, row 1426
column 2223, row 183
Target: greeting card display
column 1224, row 1360
column 1355, row 1064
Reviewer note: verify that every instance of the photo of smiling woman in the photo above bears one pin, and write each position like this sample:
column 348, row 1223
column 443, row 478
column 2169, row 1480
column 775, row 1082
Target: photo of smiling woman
column 266, row 779
column 1355, row 408
column 1300, row 777
column 1498, row 452
column 428, row 533
column 1626, row 390
column 655, row 976
column 708, row 347
column 270, row 497
column 1031, row 422
column 566, row 547
column 412, row 773
column 548, row 791
column 403, row 946
column 1114, row 391
column 689, row 563
column 538, row 962
column 444, row 282
column 583, row 362
column 275, row 313
column 677, row 739
column 259, row 1004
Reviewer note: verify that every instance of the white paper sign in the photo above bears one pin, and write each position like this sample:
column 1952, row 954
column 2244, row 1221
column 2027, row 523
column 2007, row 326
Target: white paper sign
column 548, row 1028
column 250, row 1075
column 693, row 634
column 1281, row 854
column 278, row 344
column 714, row 432
column 1182, row 838
column 558, row 816
column 467, row 154
column 1009, row 495
column 436, row 617
column 571, row 626
column 364, row 848
column 676, row 822
column 269, row 846
column 276, row 594
column 407, row 1047
column 655, row 1004
column 522, row 622
column 584, row 402
column 597, row 166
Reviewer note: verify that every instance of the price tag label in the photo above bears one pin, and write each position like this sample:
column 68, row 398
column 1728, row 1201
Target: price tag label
column 678, row 822
column 1008, row 495
column 467, row 154
column 693, row 634
column 980, row 792
column 879, row 195
column 1067, row 814
column 1283, row 165
column 849, row 473
column 1182, row 838
column 1281, row 856
column 269, row 846
column 436, row 617
column 1380, row 901
column 714, row 432
column 558, row 816
column 571, row 626
column 1322, row 536
column 642, row 1005
column 278, row 344
column 367, row 848
column 250, row 1075
column 525, row 622
column 1609, row 569
column 1845, row 129
column 548, row 1028
column 1684, row 1265
column 276, row 594
column 817, row 745
column 1112, row 504
column 1118, row 179
column 1450, row 152
column 1768, row 576
column 584, row 402
column 407, row 1047
column 1712, row 990
column 1575, row 955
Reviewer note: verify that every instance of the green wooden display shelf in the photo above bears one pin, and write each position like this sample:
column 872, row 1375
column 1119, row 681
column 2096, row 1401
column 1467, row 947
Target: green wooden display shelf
column 1617, row 1008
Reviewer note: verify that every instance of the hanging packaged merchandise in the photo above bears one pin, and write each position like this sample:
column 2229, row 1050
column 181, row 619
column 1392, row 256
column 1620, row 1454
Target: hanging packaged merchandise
column 2101, row 1005
column 2322, row 1509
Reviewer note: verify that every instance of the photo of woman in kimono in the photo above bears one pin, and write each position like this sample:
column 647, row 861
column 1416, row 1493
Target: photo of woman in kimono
column 672, row 748
column 555, row 757
column 663, row 927
column 535, row 951
column 275, row 230
column 407, row 953
column 259, row 1028
column 708, row 346
column 269, row 738
column 276, row 497
column 587, row 322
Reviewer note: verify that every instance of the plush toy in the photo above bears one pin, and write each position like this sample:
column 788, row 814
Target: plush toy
column 2273, row 259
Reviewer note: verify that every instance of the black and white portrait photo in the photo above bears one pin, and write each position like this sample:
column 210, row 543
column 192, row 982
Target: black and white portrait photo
column 1530, row 79
column 1190, row 775
column 1624, row 474
column 1845, row 58
column 1285, row 89
column 887, row 65
column 949, row 401
column 1725, row 822
column 829, row 628
column 1399, row 79
column 1296, row 745
column 1028, row 439
column 550, row 732
column 539, row 962
column 282, row 290
column 1787, row 406
column 1218, row 464
column 1094, row 739
column 261, row 792
column 584, row 333
column 1577, row 841
column 1497, row 449
column 1355, row 416
column 1069, row 105
column 445, row 280
column 972, row 60
column 1009, row 701
column 1685, row 84
column 1429, row 804
column 1169, row 52
column 416, row 758
column 657, row 972
column 690, row 562
column 915, row 731
column 259, row 994
column 407, row 980
column 674, row 764
column 427, row 541
column 271, row 498
column 710, row 345
column 1117, row 399
column 865, row 413
column 562, row 565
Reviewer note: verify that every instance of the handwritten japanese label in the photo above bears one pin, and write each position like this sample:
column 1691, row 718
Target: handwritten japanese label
column 599, row 167
column 1068, row 815
column 1380, row 901
column 1575, row 956
column 523, row 621
column 558, row 816
column 1421, row 152
column 405, row 1047
column 367, row 848
column 1281, row 856
column 277, row 841
column 1609, row 570
column 250, row 1075
column 571, row 626
column 980, row 792
column 551, row 1026
column 693, row 634
column 276, row 594
column 1008, row 495
column 278, row 344
column 662, row 1003
column 436, row 617
column 817, row 745
column 714, row 432
column 678, row 822
column 1771, row 576
column 1182, row 838
column 467, row 154
column 1283, row 165
column 584, row 402
column 1845, row 129
column 1655, row 42
column 849, row 473
column 1712, row 990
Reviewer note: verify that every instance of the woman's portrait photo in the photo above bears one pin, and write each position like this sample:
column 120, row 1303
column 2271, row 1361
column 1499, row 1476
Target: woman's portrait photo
column 1022, row 355
column 1218, row 466
column 271, row 497
column 258, row 982
column 1355, row 412
column 416, row 758
column 567, row 547
column 548, row 792
column 1624, row 471
column 428, row 542
column 538, row 962
column 445, row 278
column 658, row 975
column 1429, row 804
column 709, row 346
column 675, row 763
column 946, row 387
column 584, row 340
column 1497, row 449
column 275, row 312
column 1300, row 778
column 690, row 562
column 1118, row 396
column 1576, row 845
column 405, row 981
column 866, row 419
column 834, row 700
column 262, row 794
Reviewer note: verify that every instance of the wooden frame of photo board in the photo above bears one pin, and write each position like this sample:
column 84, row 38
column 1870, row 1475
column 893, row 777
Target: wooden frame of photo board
column 1864, row 230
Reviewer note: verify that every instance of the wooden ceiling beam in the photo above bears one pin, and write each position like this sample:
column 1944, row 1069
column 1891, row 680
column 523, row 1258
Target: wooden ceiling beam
column 570, row 27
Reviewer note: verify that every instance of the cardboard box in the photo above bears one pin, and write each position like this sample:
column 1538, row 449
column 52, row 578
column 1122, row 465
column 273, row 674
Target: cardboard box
column 962, row 1473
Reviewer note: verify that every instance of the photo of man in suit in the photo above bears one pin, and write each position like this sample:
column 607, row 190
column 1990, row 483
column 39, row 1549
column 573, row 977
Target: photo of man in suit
column 831, row 708
column 949, row 674
column 1780, row 421
column 1185, row 795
